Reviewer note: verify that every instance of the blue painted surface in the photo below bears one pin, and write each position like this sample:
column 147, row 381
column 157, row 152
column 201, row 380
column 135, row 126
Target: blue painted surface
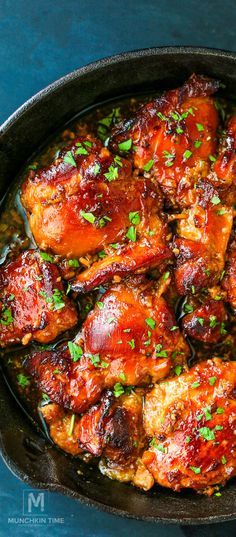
column 39, row 42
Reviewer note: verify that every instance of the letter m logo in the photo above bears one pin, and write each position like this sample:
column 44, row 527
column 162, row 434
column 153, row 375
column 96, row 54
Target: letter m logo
column 33, row 502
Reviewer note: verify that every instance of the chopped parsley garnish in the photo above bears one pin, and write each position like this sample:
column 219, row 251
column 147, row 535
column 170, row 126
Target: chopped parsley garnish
column 162, row 117
column 223, row 460
column 219, row 428
column 104, row 365
column 150, row 322
column 118, row 160
column 207, row 433
column 213, row 321
column 96, row 169
column 212, row 380
column 188, row 308
column 187, row 154
column 223, row 330
column 46, row 257
column 122, row 376
column 132, row 344
column 188, row 439
column 148, row 166
column 6, row 316
column 215, row 200
column 69, row 159
column 112, row 173
column 81, row 150
column 75, row 351
column 57, row 299
column 159, row 352
column 103, row 221
column 178, row 370
column 88, row 216
column 101, row 254
column 195, row 384
column 200, row 320
column 197, row 144
column 100, row 305
column 72, row 423
column 159, row 447
column 134, row 217
column 195, row 469
column 200, row 127
column 169, row 158
column 219, row 410
column 73, row 263
column 118, row 389
column 179, row 130
column 166, row 276
column 208, row 415
column 173, row 328
column 95, row 359
column 23, row 381
column 221, row 212
column 131, row 234
column 126, row 145
column 212, row 158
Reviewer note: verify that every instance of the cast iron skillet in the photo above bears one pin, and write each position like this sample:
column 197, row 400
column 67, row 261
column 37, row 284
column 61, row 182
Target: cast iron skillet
column 26, row 452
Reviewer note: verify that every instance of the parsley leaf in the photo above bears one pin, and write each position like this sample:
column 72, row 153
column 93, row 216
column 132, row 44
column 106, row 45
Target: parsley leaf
column 131, row 234
column 126, row 145
column 69, row 159
column 75, row 351
column 88, row 216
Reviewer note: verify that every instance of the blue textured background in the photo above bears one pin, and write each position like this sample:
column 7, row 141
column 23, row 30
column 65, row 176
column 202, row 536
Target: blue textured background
column 40, row 41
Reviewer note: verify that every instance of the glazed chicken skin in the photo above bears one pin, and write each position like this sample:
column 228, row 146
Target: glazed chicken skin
column 33, row 302
column 190, row 421
column 87, row 200
column 130, row 338
column 224, row 168
column 112, row 429
column 62, row 427
column 229, row 279
column 201, row 242
column 173, row 137
column 207, row 322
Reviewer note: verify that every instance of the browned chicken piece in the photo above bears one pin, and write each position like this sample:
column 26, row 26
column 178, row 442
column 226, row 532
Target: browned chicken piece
column 130, row 338
column 229, row 279
column 63, row 427
column 173, row 137
column 33, row 304
column 112, row 429
column 202, row 241
column 190, row 421
column 207, row 322
column 223, row 171
column 87, row 200
column 224, row 168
